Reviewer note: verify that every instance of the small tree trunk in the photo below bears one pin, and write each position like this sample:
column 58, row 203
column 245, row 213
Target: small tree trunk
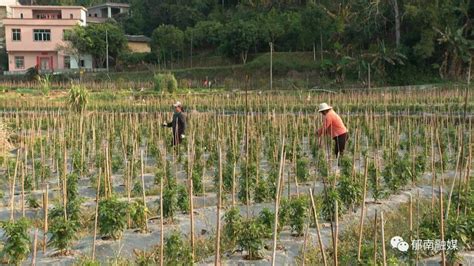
column 397, row 23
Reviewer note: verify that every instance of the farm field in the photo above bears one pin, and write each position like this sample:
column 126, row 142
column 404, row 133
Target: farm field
column 93, row 178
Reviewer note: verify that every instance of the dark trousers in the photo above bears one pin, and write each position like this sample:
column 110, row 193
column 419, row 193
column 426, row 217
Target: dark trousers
column 340, row 144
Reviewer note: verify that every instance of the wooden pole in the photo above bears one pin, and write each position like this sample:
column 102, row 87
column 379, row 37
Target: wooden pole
column 384, row 254
column 191, row 194
column 277, row 203
column 162, row 229
column 35, row 247
column 362, row 212
column 217, row 259
column 143, row 190
column 45, row 207
column 304, row 244
column 318, row 232
column 336, row 231
column 97, row 200
column 375, row 238
column 12, row 192
column 22, row 195
column 443, row 253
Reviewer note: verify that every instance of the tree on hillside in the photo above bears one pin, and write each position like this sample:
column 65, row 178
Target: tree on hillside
column 238, row 37
column 318, row 28
column 205, row 34
column 167, row 41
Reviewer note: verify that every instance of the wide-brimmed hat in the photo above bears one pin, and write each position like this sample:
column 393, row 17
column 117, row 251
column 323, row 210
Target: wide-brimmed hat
column 324, row 107
column 177, row 104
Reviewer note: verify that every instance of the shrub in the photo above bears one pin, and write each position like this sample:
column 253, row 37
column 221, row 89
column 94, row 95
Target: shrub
column 350, row 191
column 232, row 219
column 17, row 244
column 302, row 171
column 112, row 217
column 298, row 214
column 138, row 213
column 78, row 98
column 62, row 233
column 176, row 250
column 267, row 218
column 250, row 238
column 183, row 198
column 329, row 205
column 165, row 82
column 45, row 82
column 262, row 191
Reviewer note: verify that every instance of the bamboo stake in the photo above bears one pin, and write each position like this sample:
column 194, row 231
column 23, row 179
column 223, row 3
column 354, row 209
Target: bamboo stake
column 277, row 202
column 162, row 230
column 362, row 212
column 35, row 245
column 443, row 254
column 45, row 207
column 304, row 244
column 143, row 190
column 375, row 238
column 336, row 231
column 191, row 194
column 452, row 184
column 217, row 259
column 64, row 182
column 411, row 217
column 318, row 232
column 97, row 200
column 12, row 192
column 23, row 189
column 384, row 254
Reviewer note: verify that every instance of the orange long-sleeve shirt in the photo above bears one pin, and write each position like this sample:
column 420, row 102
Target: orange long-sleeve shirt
column 332, row 125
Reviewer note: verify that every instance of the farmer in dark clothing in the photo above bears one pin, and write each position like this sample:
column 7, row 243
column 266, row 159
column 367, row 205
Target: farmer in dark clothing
column 178, row 123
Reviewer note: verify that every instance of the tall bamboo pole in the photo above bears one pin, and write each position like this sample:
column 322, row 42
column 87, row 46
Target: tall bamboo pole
column 277, row 203
column 362, row 212
column 384, row 254
column 217, row 259
column 45, row 208
column 96, row 216
column 318, row 232
column 143, row 190
column 441, row 218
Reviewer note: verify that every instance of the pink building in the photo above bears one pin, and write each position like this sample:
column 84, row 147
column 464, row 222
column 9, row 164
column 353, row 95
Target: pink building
column 33, row 35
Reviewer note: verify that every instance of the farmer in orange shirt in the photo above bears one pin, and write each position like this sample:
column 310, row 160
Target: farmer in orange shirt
column 334, row 127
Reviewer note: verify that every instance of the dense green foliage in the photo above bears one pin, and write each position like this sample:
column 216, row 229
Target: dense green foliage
column 92, row 40
column 409, row 39
column 165, row 82
column 112, row 217
column 17, row 244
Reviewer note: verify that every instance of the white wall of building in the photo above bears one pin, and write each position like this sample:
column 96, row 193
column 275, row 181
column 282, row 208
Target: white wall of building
column 87, row 62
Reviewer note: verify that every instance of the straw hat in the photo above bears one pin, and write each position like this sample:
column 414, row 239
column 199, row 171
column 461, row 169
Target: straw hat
column 178, row 103
column 324, row 107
